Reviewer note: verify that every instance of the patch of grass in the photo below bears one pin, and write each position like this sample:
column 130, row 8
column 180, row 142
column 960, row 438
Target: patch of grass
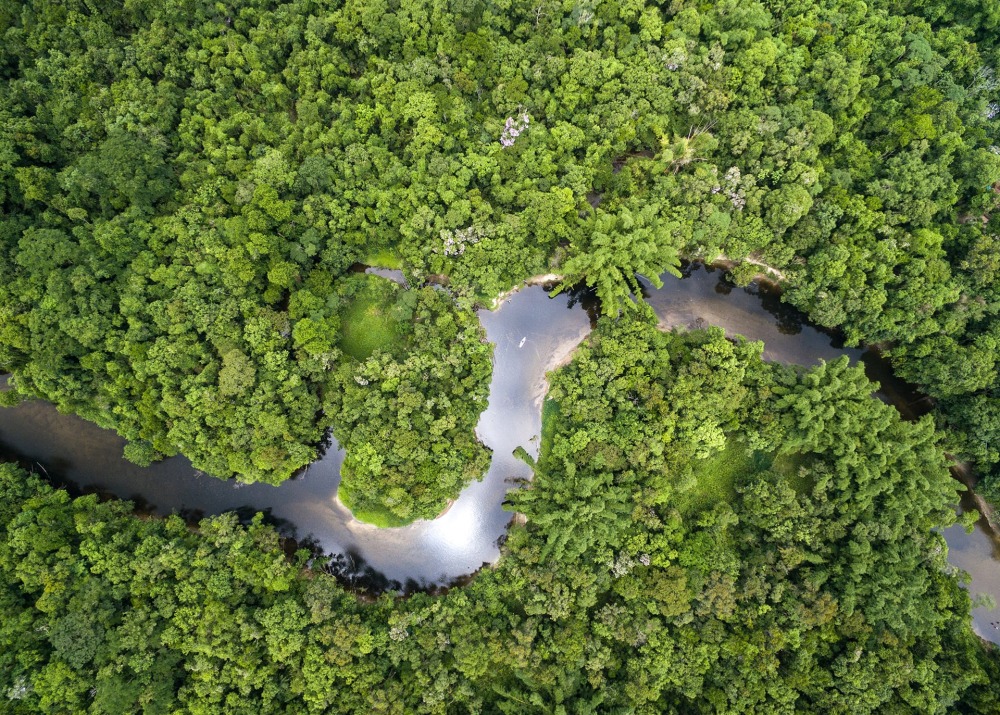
column 384, row 259
column 550, row 415
column 715, row 477
column 371, row 320
column 377, row 516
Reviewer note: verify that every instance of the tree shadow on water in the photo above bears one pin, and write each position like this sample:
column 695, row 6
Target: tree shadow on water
column 724, row 286
column 285, row 528
column 789, row 320
column 584, row 297
column 350, row 568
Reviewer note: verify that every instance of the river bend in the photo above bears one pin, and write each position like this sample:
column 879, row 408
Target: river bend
column 532, row 333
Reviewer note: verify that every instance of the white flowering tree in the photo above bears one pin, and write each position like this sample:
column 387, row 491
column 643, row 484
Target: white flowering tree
column 513, row 128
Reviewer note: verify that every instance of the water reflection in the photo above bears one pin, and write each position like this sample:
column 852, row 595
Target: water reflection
column 531, row 333
column 978, row 554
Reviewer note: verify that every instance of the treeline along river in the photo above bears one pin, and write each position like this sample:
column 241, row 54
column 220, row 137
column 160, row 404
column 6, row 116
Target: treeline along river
column 532, row 333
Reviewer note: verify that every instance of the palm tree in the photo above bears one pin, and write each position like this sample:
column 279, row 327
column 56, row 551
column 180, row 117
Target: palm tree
column 621, row 245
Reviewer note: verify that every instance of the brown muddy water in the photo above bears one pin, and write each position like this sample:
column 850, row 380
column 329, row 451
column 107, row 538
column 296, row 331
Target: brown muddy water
column 532, row 333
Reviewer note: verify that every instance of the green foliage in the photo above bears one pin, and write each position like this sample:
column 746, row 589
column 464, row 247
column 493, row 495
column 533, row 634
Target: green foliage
column 375, row 318
column 184, row 187
column 406, row 407
column 550, row 416
column 183, row 184
column 696, row 385
column 619, row 247
column 849, row 523
column 374, row 505
column 766, row 598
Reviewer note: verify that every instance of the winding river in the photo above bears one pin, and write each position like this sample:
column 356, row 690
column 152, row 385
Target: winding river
column 532, row 334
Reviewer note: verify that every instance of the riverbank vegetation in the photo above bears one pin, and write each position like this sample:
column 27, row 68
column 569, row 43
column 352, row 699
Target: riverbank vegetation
column 177, row 177
column 184, row 187
column 408, row 402
column 766, row 598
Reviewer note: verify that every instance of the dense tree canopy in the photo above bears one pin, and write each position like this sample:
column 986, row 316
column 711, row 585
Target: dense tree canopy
column 176, row 174
column 185, row 186
column 800, row 570
column 407, row 409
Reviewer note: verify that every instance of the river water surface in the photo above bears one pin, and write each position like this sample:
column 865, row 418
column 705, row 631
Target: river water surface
column 532, row 334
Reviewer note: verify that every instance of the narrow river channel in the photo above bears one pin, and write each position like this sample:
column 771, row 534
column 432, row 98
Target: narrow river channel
column 532, row 334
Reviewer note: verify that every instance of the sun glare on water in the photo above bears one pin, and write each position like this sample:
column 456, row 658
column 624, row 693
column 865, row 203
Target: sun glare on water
column 458, row 530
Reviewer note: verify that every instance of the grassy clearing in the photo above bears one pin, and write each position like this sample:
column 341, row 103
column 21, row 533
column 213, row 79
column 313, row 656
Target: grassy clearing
column 384, row 259
column 550, row 415
column 371, row 322
column 715, row 477
column 382, row 518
